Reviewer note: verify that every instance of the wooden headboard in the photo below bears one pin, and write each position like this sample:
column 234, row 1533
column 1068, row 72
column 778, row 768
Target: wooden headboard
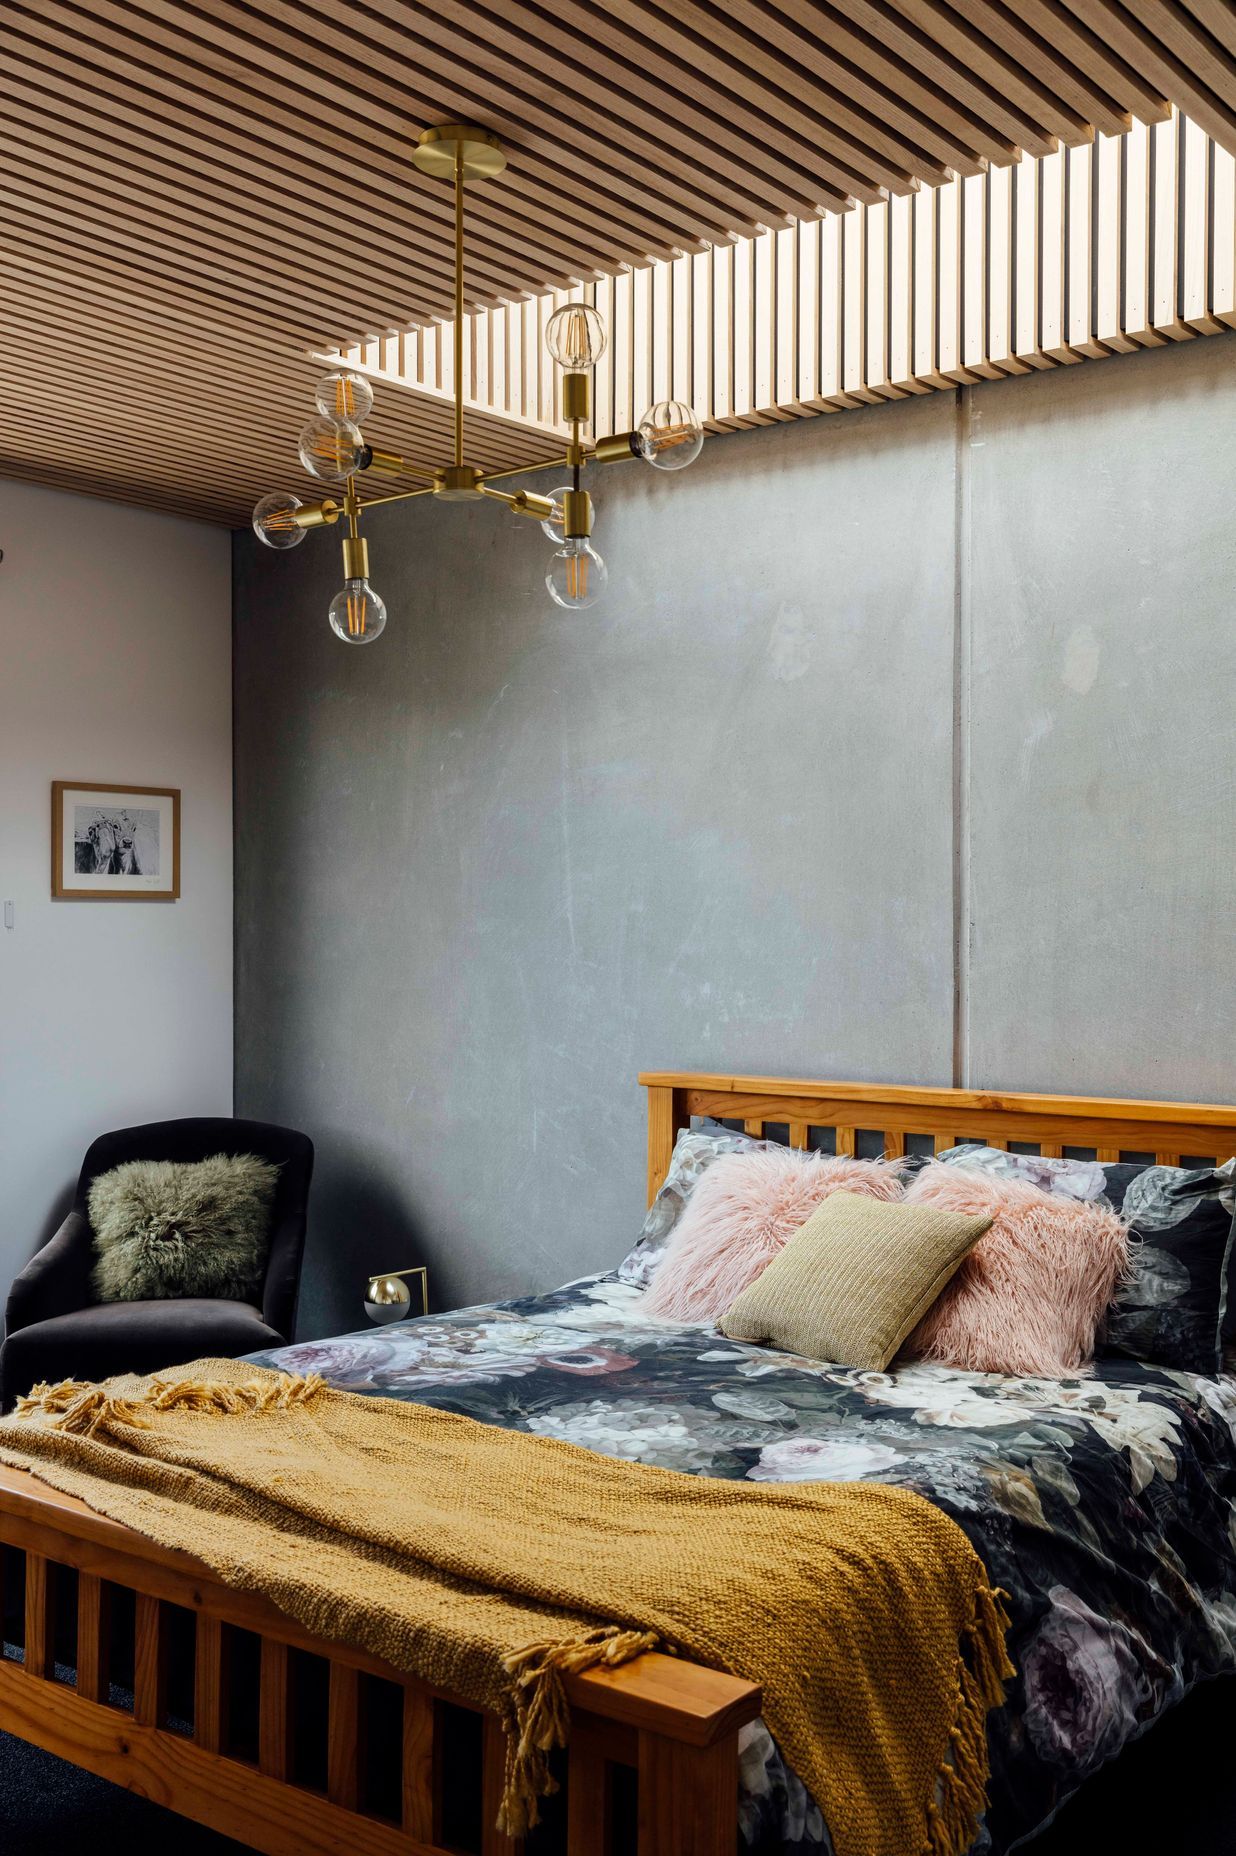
column 1098, row 1127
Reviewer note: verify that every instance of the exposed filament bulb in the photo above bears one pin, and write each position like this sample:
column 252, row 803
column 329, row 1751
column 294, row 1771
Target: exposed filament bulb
column 273, row 520
column 344, row 396
column 331, row 449
column 669, row 435
column 575, row 337
column 357, row 615
column 577, row 575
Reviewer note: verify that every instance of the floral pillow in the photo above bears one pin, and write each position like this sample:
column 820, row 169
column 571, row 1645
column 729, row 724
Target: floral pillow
column 694, row 1152
column 1177, row 1305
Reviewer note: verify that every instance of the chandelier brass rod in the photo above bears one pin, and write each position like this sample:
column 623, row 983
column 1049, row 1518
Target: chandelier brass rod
column 396, row 496
column 518, row 470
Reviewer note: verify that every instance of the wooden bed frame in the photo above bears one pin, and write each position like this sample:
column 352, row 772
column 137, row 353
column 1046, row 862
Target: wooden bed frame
column 97, row 1598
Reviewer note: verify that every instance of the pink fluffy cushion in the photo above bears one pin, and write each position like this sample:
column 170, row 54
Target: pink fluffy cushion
column 743, row 1211
column 1030, row 1295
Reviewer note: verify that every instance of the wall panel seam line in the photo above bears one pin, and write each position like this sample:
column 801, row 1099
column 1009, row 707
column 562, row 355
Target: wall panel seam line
column 961, row 718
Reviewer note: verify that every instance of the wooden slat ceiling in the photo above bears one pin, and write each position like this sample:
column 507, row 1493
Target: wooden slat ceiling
column 193, row 196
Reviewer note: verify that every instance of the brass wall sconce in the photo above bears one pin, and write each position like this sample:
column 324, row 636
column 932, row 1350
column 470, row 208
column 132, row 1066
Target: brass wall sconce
column 332, row 448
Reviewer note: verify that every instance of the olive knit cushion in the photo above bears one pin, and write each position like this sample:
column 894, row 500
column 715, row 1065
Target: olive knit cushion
column 854, row 1279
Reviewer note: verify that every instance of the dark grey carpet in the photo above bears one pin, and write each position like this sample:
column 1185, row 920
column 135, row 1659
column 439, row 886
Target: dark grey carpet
column 1176, row 1792
column 48, row 1807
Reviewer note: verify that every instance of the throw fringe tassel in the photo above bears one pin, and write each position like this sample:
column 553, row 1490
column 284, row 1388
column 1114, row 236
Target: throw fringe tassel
column 539, row 1718
column 983, row 1668
column 83, row 1409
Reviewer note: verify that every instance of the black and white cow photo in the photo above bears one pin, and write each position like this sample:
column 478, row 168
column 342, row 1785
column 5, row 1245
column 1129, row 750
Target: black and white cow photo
column 120, row 841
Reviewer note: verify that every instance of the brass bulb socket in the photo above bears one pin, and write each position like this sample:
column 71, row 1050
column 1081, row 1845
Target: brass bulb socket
column 386, row 463
column 316, row 515
column 577, row 398
column 614, row 450
column 541, row 508
column 576, row 515
column 355, row 557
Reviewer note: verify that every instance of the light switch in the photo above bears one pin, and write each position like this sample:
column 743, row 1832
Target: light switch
column 8, row 914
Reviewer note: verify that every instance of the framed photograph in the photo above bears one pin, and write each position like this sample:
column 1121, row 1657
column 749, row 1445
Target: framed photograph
column 115, row 843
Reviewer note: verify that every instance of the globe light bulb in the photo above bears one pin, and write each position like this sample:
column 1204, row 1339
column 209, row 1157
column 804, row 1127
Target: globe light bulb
column 576, row 576
column 344, row 396
column 272, row 520
column 575, row 337
column 356, row 614
column 330, row 448
column 670, row 436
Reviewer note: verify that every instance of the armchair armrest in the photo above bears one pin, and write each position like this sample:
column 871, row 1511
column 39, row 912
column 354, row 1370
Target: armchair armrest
column 282, row 1282
column 56, row 1281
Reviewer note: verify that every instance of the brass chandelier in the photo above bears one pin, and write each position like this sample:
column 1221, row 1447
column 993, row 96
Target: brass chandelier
column 333, row 450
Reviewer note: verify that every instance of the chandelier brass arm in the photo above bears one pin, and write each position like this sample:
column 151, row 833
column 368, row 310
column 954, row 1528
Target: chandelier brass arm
column 328, row 511
column 523, row 503
column 333, row 450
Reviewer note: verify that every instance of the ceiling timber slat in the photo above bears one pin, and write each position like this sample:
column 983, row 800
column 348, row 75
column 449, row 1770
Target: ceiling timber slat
column 199, row 196
column 914, row 294
column 1086, row 51
column 234, row 173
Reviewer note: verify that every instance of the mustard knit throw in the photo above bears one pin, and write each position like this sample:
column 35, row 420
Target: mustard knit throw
column 483, row 1561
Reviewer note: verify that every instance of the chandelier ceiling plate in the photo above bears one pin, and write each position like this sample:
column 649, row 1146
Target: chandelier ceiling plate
column 436, row 149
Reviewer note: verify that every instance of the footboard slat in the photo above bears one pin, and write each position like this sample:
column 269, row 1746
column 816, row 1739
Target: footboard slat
column 343, row 1738
column 274, row 1718
column 493, row 1842
column 589, row 1824
column 209, row 1687
column 93, row 1637
column 149, row 1662
column 419, row 1815
column 40, row 1618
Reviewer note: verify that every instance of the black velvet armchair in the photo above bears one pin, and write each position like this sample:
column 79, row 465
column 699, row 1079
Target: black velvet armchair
column 54, row 1331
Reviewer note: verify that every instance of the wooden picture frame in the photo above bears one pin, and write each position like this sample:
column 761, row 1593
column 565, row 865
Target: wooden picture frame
column 132, row 843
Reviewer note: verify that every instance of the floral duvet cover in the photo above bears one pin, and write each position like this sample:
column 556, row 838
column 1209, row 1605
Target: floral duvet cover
column 1106, row 1508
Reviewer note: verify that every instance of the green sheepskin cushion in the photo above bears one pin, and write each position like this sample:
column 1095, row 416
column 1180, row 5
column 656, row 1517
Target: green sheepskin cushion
column 171, row 1228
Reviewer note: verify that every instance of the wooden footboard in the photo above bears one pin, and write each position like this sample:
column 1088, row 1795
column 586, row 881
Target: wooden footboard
column 138, row 1665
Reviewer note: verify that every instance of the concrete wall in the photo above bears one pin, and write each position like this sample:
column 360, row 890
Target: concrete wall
column 115, row 653
column 1100, row 728
column 897, row 750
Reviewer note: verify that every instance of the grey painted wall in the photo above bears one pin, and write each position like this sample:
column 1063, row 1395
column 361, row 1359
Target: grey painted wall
column 898, row 749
